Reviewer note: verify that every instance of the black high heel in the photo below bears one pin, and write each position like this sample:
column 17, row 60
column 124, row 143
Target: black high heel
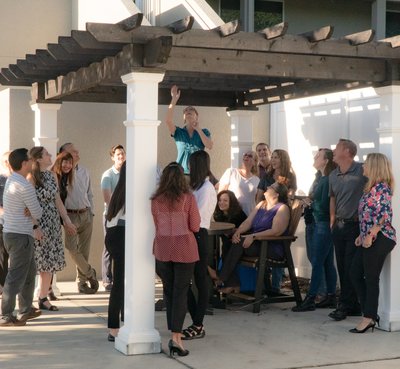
column 175, row 349
column 370, row 325
column 42, row 306
column 377, row 319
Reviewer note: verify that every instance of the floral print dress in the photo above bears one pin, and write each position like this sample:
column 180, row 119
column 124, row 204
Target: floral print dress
column 49, row 252
column 375, row 207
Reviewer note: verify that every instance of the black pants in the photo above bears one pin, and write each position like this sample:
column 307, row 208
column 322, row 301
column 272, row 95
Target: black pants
column 228, row 272
column 343, row 236
column 3, row 259
column 197, row 305
column 176, row 281
column 115, row 244
column 365, row 271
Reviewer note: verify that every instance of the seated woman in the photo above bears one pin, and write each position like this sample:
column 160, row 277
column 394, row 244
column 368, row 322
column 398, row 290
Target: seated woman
column 269, row 218
column 227, row 210
column 243, row 182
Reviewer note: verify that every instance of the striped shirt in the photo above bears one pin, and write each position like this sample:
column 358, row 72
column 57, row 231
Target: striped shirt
column 19, row 194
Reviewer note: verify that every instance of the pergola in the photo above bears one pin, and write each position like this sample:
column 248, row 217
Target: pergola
column 136, row 65
column 220, row 67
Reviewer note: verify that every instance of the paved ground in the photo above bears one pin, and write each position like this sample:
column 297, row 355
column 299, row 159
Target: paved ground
column 75, row 337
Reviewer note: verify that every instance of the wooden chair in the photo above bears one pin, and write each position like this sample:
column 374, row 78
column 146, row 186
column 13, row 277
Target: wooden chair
column 260, row 263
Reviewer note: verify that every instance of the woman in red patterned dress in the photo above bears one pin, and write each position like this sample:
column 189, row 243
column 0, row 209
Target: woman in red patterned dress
column 176, row 217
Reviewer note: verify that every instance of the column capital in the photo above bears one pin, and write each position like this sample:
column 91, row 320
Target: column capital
column 45, row 106
column 142, row 122
column 154, row 77
column 241, row 112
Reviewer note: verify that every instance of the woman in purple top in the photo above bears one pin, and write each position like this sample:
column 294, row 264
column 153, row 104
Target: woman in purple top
column 269, row 218
column 376, row 240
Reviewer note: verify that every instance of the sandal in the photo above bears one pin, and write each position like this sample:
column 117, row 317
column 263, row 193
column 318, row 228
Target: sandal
column 43, row 306
column 193, row 332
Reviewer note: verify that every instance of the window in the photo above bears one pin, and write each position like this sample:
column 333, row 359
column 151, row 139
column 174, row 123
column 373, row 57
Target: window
column 392, row 19
column 266, row 13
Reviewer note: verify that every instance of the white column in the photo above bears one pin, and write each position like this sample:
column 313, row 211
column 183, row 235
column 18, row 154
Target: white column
column 46, row 126
column 138, row 335
column 241, row 134
column 389, row 144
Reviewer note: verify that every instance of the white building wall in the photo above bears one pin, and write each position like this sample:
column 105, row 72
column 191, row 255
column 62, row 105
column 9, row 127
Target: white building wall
column 304, row 125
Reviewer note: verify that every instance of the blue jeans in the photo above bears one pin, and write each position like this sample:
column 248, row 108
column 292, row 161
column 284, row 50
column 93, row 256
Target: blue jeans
column 310, row 229
column 322, row 259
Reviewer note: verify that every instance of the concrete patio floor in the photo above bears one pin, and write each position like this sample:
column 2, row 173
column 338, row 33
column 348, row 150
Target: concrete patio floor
column 76, row 337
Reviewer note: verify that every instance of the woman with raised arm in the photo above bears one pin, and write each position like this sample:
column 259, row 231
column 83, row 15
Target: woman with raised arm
column 176, row 218
column 376, row 240
column 191, row 137
column 49, row 251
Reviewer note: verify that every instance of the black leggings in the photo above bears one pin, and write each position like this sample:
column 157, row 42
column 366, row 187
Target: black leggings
column 115, row 244
column 365, row 271
column 197, row 307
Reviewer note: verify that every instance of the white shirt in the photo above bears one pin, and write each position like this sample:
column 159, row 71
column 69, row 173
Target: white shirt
column 206, row 199
column 245, row 189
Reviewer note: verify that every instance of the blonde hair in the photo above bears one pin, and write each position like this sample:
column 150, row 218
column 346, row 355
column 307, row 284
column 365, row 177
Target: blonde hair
column 379, row 170
column 254, row 168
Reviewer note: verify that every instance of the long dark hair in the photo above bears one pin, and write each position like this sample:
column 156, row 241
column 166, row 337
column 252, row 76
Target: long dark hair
column 117, row 201
column 330, row 165
column 57, row 167
column 199, row 164
column 173, row 183
column 36, row 153
column 233, row 211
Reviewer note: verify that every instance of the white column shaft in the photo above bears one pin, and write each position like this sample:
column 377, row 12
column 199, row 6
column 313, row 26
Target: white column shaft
column 389, row 144
column 241, row 135
column 138, row 335
column 46, row 126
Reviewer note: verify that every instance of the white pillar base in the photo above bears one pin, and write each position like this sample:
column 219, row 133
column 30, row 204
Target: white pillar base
column 138, row 343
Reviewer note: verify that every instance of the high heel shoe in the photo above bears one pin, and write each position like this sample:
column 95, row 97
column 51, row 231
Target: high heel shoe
column 174, row 348
column 377, row 319
column 370, row 325
column 42, row 305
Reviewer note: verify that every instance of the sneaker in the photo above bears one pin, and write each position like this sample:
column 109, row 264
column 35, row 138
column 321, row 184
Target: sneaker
column 307, row 305
column 84, row 288
column 11, row 321
column 32, row 314
column 94, row 283
column 338, row 315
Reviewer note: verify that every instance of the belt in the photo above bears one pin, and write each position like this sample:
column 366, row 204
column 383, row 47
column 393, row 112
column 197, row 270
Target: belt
column 77, row 211
column 347, row 220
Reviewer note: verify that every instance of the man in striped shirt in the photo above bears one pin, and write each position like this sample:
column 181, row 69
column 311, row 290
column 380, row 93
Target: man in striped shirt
column 21, row 214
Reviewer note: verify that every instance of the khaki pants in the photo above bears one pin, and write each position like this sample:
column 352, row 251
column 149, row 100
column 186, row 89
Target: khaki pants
column 79, row 245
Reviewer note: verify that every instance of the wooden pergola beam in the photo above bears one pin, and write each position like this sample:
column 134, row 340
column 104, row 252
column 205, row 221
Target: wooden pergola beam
column 278, row 30
column 244, row 41
column 393, row 41
column 132, row 22
column 229, row 62
column 318, row 35
column 182, row 25
column 360, row 38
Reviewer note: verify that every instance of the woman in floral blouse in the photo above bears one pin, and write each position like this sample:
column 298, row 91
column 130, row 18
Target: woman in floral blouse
column 377, row 237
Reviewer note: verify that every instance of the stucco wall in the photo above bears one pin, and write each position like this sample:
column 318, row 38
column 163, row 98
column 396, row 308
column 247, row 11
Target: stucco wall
column 94, row 128
column 346, row 16
column 29, row 25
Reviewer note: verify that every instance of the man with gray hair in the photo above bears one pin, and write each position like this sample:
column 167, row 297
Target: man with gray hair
column 346, row 185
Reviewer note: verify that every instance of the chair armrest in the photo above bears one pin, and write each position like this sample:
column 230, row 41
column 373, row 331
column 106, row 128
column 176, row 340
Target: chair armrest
column 276, row 238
